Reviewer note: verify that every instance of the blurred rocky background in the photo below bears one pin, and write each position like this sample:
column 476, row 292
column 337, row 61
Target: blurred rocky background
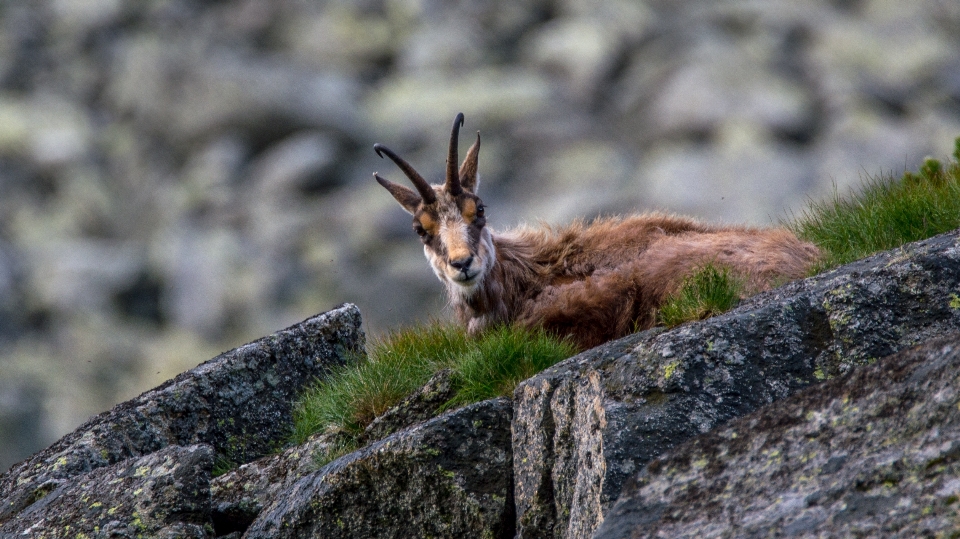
column 178, row 177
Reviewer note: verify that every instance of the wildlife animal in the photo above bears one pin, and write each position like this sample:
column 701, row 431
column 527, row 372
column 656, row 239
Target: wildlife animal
column 591, row 282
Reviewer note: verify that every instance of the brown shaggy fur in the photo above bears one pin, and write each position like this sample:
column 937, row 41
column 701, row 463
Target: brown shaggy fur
column 590, row 282
column 601, row 281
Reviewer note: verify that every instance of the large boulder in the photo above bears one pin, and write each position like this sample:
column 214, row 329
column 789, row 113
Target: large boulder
column 164, row 494
column 872, row 454
column 447, row 478
column 582, row 427
column 239, row 403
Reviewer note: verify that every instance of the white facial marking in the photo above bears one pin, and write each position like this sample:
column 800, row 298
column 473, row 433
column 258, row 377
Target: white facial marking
column 462, row 285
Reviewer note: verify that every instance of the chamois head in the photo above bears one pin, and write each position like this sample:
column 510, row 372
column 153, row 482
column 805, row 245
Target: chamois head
column 449, row 218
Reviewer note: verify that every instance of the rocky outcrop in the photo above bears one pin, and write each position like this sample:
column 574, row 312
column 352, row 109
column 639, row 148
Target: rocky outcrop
column 126, row 473
column 163, row 494
column 875, row 453
column 870, row 447
column 584, row 426
column 449, row 477
column 240, row 404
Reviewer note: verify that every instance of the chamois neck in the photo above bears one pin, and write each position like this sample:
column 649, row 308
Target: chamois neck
column 499, row 296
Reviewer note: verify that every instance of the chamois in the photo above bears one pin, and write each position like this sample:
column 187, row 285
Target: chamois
column 592, row 281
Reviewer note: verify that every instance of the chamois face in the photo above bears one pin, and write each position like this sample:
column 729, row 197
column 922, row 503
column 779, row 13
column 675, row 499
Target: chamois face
column 450, row 219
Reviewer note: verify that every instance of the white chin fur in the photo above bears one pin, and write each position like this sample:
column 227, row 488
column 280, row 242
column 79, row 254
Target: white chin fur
column 456, row 285
column 467, row 284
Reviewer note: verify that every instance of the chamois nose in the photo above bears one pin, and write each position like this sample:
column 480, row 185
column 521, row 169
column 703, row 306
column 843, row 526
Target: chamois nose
column 462, row 264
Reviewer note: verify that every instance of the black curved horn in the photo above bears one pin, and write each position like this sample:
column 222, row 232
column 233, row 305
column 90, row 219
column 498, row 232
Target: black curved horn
column 453, row 176
column 423, row 187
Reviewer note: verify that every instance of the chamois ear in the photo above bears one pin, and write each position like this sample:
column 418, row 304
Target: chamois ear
column 404, row 195
column 469, row 179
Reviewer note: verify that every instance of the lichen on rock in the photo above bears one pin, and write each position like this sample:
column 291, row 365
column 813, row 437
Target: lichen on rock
column 239, row 403
column 164, row 494
column 449, row 477
column 423, row 404
column 875, row 453
column 239, row 495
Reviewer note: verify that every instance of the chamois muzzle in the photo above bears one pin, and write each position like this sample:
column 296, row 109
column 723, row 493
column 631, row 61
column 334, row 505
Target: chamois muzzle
column 462, row 264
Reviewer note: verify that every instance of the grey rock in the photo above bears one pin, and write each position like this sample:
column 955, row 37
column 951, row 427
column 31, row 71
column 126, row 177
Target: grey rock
column 239, row 403
column 456, row 45
column 239, row 495
column 196, row 260
column 164, row 494
column 870, row 454
column 582, row 427
column 417, row 407
column 82, row 274
column 192, row 104
column 747, row 161
column 449, row 477
column 406, row 104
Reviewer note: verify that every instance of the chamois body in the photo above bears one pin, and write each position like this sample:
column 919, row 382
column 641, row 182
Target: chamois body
column 600, row 281
column 592, row 282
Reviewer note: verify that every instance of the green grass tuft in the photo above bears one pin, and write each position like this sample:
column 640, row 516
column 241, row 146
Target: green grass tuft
column 352, row 396
column 708, row 291
column 222, row 465
column 884, row 213
column 503, row 358
column 403, row 361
